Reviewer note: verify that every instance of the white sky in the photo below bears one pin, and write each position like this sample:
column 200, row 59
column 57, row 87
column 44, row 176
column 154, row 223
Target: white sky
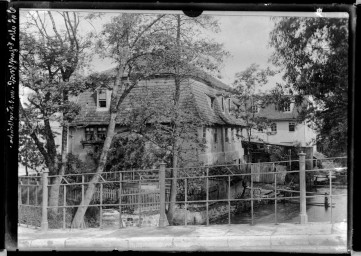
column 244, row 34
column 245, row 37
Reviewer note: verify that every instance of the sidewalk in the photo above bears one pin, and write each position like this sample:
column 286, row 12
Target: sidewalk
column 312, row 237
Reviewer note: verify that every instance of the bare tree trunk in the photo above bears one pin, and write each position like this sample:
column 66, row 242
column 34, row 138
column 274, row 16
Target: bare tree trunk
column 79, row 216
column 173, row 188
column 55, row 188
column 78, row 220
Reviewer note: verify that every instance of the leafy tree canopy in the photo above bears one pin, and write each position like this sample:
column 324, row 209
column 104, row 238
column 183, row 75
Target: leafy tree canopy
column 313, row 54
column 246, row 84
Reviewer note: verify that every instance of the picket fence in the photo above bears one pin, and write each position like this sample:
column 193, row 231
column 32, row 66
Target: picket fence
column 131, row 197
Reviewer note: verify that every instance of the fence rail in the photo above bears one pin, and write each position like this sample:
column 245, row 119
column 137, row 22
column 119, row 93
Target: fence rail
column 203, row 193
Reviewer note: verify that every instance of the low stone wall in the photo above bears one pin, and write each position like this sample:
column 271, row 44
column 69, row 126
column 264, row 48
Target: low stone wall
column 220, row 210
column 215, row 212
column 146, row 219
column 131, row 220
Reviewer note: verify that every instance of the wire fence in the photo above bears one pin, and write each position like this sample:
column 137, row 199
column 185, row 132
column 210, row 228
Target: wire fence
column 205, row 195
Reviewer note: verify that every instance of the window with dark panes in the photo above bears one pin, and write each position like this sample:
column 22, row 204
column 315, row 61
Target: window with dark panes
column 89, row 133
column 286, row 107
column 204, row 132
column 274, row 127
column 254, row 109
column 102, row 133
column 102, row 98
column 291, row 127
column 215, row 135
column 212, row 102
column 226, row 134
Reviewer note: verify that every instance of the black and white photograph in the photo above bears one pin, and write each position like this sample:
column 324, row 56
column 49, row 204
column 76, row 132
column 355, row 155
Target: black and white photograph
column 150, row 130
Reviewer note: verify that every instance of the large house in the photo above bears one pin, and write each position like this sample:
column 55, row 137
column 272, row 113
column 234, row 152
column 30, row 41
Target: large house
column 286, row 127
column 206, row 98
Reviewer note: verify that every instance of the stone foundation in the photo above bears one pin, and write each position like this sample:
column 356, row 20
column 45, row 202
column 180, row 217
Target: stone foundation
column 111, row 219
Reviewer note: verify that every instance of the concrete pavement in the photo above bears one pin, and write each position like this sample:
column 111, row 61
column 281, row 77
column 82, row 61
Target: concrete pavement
column 311, row 237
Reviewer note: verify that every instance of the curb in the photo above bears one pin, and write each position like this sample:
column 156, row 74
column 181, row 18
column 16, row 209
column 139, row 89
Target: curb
column 309, row 243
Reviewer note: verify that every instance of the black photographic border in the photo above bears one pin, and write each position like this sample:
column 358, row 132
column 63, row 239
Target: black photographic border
column 9, row 101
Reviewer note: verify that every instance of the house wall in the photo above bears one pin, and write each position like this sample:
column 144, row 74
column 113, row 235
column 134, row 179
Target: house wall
column 214, row 152
column 74, row 144
column 310, row 135
column 302, row 134
column 76, row 135
column 222, row 151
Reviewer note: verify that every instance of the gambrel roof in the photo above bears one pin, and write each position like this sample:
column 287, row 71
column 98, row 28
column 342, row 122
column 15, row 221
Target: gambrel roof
column 273, row 111
column 195, row 94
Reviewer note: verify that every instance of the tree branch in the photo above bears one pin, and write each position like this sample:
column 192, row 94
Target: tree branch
column 54, row 28
column 148, row 27
column 35, row 137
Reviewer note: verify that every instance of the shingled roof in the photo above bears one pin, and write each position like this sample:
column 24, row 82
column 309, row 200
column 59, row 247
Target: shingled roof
column 271, row 112
column 193, row 72
column 195, row 93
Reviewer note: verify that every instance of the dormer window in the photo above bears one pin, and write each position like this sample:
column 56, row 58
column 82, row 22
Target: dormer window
column 211, row 100
column 102, row 99
column 222, row 103
column 286, row 107
column 229, row 105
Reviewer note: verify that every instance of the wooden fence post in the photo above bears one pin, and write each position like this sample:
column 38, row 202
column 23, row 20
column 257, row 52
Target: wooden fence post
column 303, row 213
column 19, row 193
column 162, row 217
column 207, row 196
column 82, row 187
column 64, row 208
column 120, row 200
column 44, row 210
column 28, row 193
column 101, row 205
column 36, row 193
column 251, row 196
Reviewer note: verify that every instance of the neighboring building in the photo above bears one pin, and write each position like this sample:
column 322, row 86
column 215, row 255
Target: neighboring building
column 285, row 127
column 202, row 95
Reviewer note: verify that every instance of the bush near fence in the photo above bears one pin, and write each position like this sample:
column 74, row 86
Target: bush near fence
column 218, row 189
